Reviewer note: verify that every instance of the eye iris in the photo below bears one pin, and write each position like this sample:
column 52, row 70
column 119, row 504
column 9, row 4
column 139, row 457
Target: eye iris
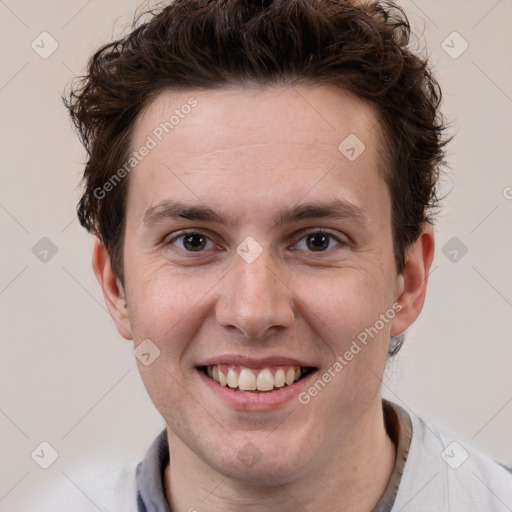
column 194, row 242
column 318, row 241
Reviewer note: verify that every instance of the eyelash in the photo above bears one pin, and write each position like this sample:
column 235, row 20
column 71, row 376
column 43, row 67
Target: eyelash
column 304, row 235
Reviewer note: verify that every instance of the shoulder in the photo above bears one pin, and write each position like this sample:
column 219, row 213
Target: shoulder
column 91, row 491
column 444, row 474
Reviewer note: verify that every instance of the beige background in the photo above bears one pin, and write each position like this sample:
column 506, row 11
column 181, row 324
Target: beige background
column 66, row 375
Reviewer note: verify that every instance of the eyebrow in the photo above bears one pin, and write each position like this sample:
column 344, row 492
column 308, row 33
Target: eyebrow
column 337, row 209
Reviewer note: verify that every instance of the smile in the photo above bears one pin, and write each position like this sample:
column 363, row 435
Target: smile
column 246, row 383
column 262, row 380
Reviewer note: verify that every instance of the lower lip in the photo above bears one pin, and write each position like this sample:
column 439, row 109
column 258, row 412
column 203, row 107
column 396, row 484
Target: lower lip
column 247, row 401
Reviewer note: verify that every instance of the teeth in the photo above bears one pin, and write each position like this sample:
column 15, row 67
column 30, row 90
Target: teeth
column 215, row 373
column 222, row 377
column 245, row 379
column 279, row 378
column 232, row 378
column 265, row 381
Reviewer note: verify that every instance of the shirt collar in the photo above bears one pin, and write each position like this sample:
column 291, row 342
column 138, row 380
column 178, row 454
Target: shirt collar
column 399, row 428
column 150, row 472
column 150, row 476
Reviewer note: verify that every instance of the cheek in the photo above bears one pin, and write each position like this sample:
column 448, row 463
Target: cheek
column 168, row 306
column 346, row 314
column 345, row 304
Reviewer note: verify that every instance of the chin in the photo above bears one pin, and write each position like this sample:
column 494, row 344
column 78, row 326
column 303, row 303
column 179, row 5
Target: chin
column 256, row 462
column 263, row 473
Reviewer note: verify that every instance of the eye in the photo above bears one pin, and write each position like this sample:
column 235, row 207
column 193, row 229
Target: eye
column 317, row 241
column 192, row 241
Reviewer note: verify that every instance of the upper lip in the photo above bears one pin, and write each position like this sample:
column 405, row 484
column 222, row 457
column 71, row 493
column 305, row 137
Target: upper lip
column 255, row 362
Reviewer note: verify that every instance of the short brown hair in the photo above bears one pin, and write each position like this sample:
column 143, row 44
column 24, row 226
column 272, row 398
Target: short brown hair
column 358, row 46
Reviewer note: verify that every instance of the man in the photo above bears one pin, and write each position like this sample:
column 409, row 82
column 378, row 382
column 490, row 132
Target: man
column 261, row 178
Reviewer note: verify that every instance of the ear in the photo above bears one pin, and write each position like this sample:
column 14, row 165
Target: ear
column 412, row 282
column 112, row 288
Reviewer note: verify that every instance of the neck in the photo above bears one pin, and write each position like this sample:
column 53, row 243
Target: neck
column 353, row 478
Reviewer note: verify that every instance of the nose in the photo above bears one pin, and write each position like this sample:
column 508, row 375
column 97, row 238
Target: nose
column 254, row 298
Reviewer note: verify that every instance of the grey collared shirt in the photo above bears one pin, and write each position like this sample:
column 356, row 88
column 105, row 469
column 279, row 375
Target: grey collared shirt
column 150, row 472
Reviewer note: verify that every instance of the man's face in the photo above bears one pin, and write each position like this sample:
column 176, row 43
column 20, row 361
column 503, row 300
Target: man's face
column 259, row 283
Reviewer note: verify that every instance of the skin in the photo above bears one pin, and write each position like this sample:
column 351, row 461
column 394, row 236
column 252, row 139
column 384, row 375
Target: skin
column 248, row 154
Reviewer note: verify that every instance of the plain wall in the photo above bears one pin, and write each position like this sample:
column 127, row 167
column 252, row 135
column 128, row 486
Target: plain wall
column 68, row 378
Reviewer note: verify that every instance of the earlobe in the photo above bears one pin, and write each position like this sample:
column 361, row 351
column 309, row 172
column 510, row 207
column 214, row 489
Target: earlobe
column 412, row 283
column 112, row 288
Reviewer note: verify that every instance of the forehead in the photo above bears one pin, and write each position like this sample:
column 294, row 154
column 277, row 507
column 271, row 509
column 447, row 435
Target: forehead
column 306, row 114
column 212, row 145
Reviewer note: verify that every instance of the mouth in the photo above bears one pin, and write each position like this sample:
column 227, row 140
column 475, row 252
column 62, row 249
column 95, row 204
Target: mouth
column 256, row 380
